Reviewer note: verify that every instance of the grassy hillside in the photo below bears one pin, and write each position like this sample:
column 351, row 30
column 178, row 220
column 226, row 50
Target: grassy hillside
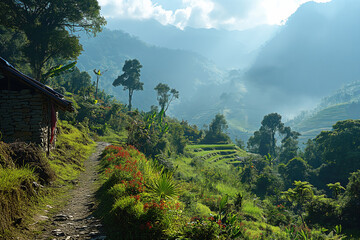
column 189, row 212
column 324, row 119
column 217, row 153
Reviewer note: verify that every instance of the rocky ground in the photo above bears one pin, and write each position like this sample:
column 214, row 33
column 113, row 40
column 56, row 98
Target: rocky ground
column 75, row 220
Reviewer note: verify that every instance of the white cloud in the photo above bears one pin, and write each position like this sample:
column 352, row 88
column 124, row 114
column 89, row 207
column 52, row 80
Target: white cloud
column 228, row 14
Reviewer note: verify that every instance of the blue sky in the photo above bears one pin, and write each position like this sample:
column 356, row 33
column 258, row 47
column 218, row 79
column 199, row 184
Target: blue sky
column 221, row 14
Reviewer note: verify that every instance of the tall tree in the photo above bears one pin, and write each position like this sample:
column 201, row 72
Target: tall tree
column 289, row 145
column 272, row 123
column 340, row 150
column 130, row 79
column 49, row 26
column 216, row 134
column 263, row 141
column 163, row 96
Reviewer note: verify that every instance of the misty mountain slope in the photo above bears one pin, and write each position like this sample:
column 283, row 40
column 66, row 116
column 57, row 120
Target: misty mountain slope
column 228, row 49
column 205, row 90
column 186, row 71
column 314, row 54
column 343, row 104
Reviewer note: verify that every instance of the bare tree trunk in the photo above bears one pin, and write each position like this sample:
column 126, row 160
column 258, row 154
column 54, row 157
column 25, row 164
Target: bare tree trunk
column 130, row 98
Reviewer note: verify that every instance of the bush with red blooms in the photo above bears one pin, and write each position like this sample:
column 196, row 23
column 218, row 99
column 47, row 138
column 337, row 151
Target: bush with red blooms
column 134, row 208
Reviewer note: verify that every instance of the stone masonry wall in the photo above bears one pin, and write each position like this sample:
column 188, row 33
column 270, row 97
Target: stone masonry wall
column 23, row 117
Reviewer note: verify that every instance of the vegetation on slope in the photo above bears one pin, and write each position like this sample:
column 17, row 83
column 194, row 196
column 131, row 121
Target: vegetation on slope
column 29, row 179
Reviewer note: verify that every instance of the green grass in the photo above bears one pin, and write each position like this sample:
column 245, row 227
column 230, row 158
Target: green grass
column 228, row 153
column 17, row 193
column 114, row 137
column 227, row 189
column 324, row 120
column 211, row 146
column 251, row 209
column 11, row 179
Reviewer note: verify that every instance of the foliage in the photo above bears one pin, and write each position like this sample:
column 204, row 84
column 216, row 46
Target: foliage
column 277, row 215
column 336, row 188
column 163, row 95
column 16, row 193
column 295, row 170
column 268, row 183
column 58, row 70
column 130, row 79
column 216, row 134
column 46, row 25
column 164, row 187
column 140, row 195
column 240, row 143
column 301, row 195
column 31, row 156
column 322, row 211
column 147, row 134
column 12, row 42
column 351, row 208
column 340, row 150
column 20, row 190
column 312, row 155
column 263, row 141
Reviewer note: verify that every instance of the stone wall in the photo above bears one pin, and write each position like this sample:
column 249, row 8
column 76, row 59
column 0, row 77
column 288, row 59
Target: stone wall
column 24, row 116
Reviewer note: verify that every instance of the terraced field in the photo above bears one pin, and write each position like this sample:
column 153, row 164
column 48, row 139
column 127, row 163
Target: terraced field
column 218, row 153
column 325, row 119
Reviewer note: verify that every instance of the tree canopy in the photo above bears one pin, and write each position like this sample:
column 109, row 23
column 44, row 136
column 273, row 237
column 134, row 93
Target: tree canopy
column 340, row 151
column 263, row 141
column 49, row 27
column 216, row 134
column 130, row 79
column 163, row 95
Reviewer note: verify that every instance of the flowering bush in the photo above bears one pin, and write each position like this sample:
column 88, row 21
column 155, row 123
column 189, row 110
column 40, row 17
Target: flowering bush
column 130, row 183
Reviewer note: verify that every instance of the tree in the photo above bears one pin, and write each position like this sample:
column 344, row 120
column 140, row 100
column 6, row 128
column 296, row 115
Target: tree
column 98, row 74
column 312, row 155
column 272, row 123
column 263, row 141
column 295, row 169
column 216, row 130
column 240, row 143
column 289, row 145
column 130, row 79
column 11, row 43
column 163, row 96
column 336, row 188
column 340, row 150
column 351, row 208
column 301, row 195
column 49, row 26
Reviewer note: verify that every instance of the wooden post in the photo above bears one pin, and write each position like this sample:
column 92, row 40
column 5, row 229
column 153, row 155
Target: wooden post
column 49, row 128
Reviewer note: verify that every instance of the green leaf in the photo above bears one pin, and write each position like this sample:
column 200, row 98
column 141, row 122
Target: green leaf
column 223, row 202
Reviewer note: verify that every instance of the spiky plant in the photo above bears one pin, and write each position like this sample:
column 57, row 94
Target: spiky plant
column 164, row 187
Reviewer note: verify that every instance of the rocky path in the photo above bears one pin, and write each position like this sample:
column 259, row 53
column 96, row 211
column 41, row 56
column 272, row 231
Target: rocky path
column 75, row 220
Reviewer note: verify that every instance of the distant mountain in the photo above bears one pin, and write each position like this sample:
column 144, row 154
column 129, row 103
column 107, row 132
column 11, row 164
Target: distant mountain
column 186, row 71
column 228, row 49
column 343, row 104
column 205, row 89
column 315, row 53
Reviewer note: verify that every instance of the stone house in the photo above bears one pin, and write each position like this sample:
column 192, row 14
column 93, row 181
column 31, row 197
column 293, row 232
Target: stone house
column 28, row 108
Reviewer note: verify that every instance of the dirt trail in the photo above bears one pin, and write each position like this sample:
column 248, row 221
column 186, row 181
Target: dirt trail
column 75, row 220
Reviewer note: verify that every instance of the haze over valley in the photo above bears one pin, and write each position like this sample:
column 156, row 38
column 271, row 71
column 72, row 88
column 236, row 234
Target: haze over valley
column 243, row 74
